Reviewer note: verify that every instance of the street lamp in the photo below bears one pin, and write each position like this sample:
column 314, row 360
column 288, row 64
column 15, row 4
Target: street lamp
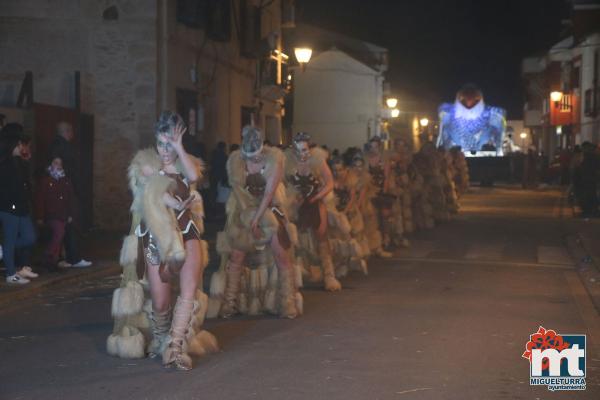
column 556, row 96
column 391, row 102
column 395, row 113
column 523, row 136
column 303, row 55
column 424, row 122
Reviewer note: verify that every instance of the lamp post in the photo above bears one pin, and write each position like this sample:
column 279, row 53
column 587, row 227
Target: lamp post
column 303, row 55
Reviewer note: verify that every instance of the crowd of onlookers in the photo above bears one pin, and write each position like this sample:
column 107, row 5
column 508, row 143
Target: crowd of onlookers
column 43, row 208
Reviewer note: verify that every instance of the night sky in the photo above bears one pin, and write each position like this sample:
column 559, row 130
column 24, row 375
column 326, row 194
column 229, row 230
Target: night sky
column 436, row 46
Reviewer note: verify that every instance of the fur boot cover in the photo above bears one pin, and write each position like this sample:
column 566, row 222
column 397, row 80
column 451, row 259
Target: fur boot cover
column 128, row 343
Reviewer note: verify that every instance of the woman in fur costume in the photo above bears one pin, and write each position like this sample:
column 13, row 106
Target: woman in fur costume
column 421, row 204
column 257, row 236
column 429, row 167
column 164, row 244
column 377, row 203
column 399, row 187
column 346, row 230
column 309, row 184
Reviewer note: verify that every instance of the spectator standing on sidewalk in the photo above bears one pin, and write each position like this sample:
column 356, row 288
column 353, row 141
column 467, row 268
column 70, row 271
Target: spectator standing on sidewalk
column 62, row 147
column 15, row 204
column 55, row 207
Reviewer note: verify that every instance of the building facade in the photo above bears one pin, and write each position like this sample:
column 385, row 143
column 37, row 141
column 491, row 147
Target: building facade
column 217, row 62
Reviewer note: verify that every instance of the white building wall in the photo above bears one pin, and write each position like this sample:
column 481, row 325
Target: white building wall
column 337, row 100
column 590, row 126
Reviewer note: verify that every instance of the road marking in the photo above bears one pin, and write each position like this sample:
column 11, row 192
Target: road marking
column 587, row 311
column 553, row 255
column 485, row 251
column 479, row 262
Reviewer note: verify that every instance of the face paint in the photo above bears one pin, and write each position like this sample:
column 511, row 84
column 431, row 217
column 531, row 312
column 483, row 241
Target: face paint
column 165, row 149
column 302, row 150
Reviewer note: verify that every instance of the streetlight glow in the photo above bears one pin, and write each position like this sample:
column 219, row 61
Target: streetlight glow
column 424, row 122
column 303, row 54
column 523, row 135
column 556, row 96
column 395, row 113
column 391, row 102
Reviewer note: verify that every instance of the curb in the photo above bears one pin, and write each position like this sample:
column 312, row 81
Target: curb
column 586, row 266
column 34, row 288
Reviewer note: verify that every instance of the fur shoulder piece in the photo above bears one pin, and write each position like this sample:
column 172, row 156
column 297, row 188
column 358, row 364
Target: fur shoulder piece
column 318, row 157
column 235, row 168
column 145, row 163
column 273, row 159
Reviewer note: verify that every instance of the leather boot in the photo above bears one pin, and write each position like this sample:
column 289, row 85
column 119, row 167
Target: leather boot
column 230, row 305
column 160, row 324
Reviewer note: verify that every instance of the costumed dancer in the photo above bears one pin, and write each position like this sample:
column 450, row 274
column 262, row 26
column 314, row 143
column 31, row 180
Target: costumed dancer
column 461, row 170
column 309, row 183
column 434, row 182
column 422, row 210
column 257, row 245
column 164, row 244
column 346, row 226
column 377, row 202
column 399, row 187
column 447, row 174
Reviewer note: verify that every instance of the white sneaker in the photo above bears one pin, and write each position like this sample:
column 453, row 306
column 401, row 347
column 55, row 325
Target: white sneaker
column 82, row 264
column 16, row 280
column 64, row 264
column 27, row 272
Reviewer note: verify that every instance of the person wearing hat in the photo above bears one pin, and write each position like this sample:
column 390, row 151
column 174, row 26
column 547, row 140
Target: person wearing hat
column 15, row 204
column 257, row 235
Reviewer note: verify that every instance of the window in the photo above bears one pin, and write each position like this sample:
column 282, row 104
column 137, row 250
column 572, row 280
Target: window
column 192, row 13
column 218, row 24
column 250, row 19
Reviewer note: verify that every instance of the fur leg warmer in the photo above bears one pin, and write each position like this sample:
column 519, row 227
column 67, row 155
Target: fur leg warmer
column 291, row 299
column 160, row 322
column 232, row 289
column 329, row 279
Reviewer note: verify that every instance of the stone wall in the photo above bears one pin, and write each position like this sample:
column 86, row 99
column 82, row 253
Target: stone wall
column 117, row 59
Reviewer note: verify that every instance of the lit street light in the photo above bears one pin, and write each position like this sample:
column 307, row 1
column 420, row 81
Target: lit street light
column 424, row 122
column 391, row 102
column 395, row 113
column 523, row 136
column 303, row 55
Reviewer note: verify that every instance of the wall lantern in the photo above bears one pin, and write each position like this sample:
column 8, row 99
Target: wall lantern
column 391, row 102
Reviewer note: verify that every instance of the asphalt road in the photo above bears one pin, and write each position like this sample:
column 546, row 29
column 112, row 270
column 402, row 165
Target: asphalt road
column 447, row 319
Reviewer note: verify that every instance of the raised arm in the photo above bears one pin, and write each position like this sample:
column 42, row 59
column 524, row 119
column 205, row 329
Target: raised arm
column 189, row 166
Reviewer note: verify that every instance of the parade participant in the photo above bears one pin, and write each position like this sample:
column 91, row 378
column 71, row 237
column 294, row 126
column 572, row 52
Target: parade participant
column 166, row 231
column 257, row 234
column 461, row 170
column 429, row 167
column 378, row 214
column 447, row 174
column 399, row 187
column 422, row 209
column 309, row 182
column 346, row 227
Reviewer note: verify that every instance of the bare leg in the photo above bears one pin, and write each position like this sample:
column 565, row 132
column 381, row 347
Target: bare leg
column 160, row 291
column 190, row 277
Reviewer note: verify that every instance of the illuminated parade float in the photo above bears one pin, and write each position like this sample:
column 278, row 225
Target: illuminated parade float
column 471, row 124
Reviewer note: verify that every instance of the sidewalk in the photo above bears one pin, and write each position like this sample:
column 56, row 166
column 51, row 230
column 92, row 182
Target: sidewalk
column 583, row 243
column 100, row 247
